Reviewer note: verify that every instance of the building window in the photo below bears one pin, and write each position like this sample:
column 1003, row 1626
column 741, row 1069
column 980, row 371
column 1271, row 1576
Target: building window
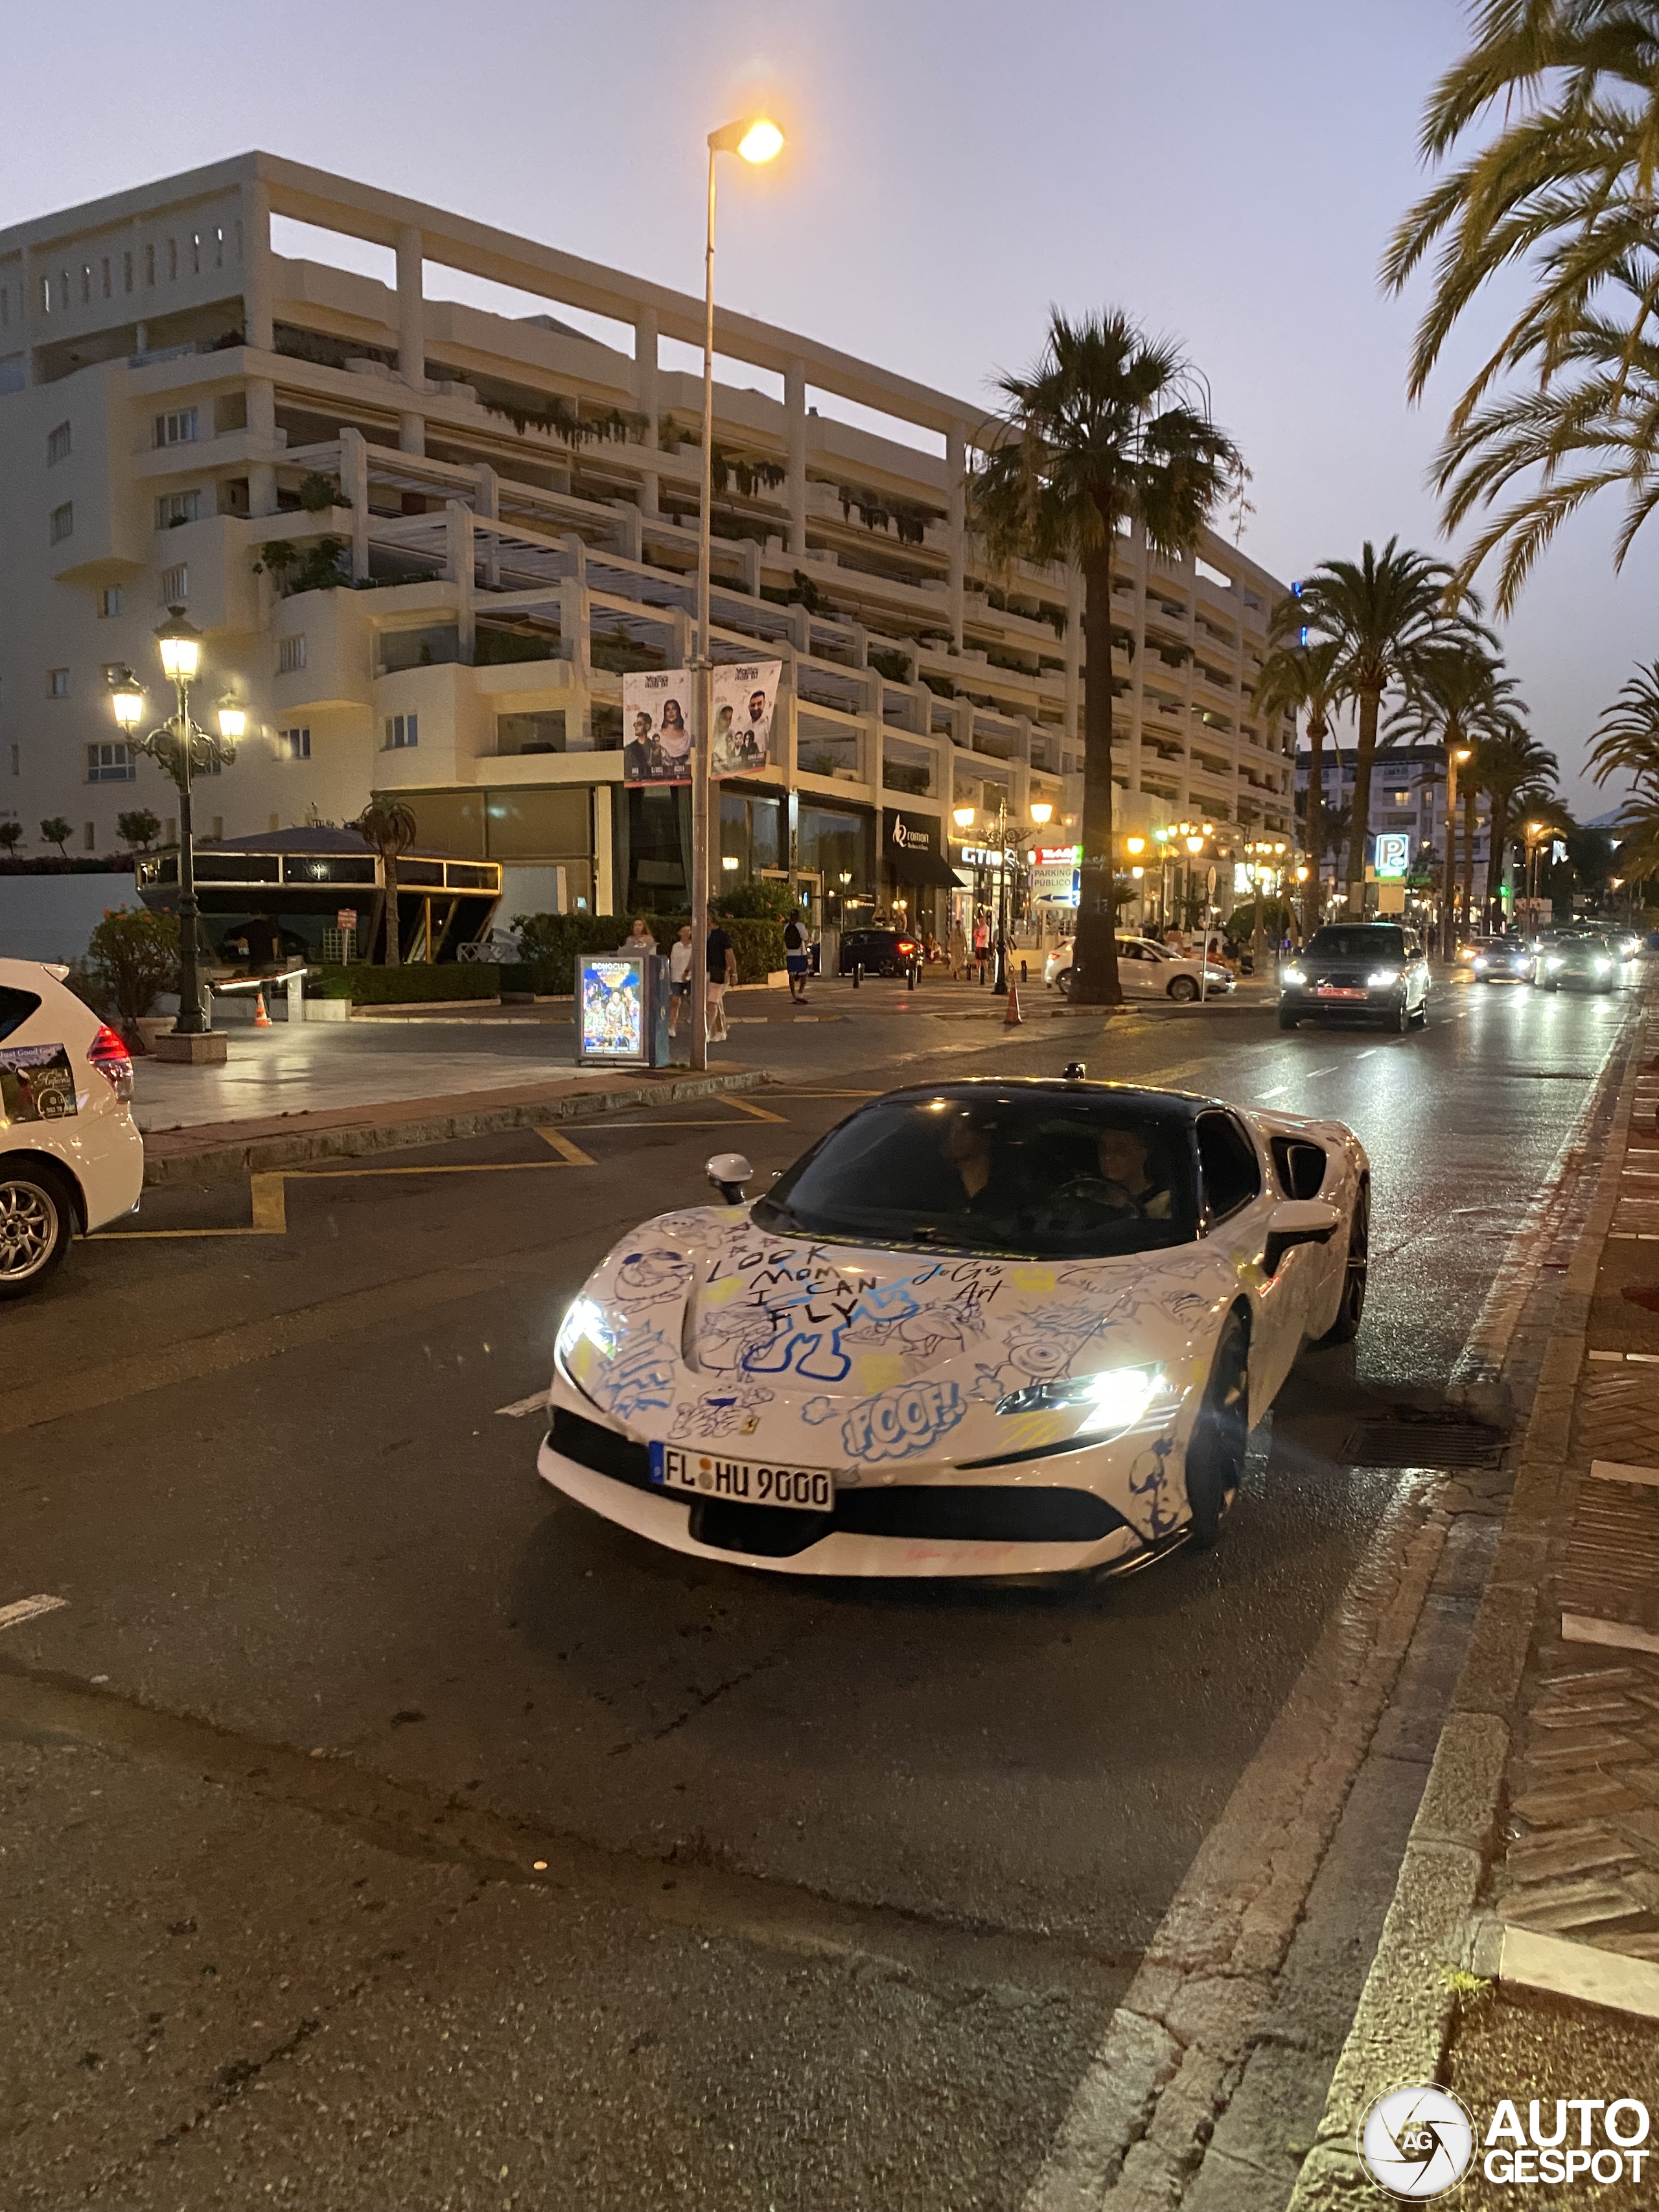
column 63, row 522
column 59, row 445
column 172, row 261
column 196, row 253
column 298, row 743
column 150, row 265
column 126, row 271
column 86, row 283
column 17, row 760
column 178, row 428
column 109, row 602
column 89, row 836
column 290, row 654
column 402, row 730
column 112, row 763
column 107, row 286
column 57, row 684
column 176, row 507
column 175, row 585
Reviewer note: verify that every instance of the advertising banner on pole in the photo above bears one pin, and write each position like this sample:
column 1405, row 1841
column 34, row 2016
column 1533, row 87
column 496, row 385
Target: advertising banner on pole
column 746, row 693
column 656, row 725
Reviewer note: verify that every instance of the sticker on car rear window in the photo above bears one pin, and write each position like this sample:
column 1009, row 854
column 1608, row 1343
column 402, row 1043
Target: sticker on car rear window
column 37, row 1083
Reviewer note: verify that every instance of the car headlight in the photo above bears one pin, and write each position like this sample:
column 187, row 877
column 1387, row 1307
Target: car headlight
column 1602, row 966
column 1296, row 975
column 1380, row 978
column 1480, row 960
column 1553, row 963
column 585, row 1322
column 1116, row 1398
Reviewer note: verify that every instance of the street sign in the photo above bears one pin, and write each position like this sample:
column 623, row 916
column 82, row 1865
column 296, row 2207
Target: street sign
column 1394, row 855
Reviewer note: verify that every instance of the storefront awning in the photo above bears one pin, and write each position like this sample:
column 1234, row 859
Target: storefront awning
column 912, row 847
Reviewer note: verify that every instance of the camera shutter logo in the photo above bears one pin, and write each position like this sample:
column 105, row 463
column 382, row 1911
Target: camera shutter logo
column 1416, row 2141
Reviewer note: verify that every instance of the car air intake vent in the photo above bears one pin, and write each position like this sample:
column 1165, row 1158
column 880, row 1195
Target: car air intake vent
column 602, row 1449
column 1299, row 1165
column 1414, row 1438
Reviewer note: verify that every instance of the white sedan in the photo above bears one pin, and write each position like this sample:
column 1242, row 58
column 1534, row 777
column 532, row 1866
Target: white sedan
column 992, row 1328
column 1147, row 971
column 70, row 1158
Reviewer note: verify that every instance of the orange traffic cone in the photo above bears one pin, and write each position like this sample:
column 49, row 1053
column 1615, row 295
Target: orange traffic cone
column 261, row 1019
column 1012, row 1018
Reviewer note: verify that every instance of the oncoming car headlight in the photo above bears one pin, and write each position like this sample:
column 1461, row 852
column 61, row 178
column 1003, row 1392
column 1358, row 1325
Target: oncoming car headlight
column 1296, row 975
column 585, row 1322
column 1480, row 960
column 1553, row 963
column 1116, row 1398
column 1602, row 966
column 1380, row 977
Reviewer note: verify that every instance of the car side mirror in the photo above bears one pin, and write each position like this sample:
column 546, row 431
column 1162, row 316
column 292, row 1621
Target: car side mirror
column 728, row 1172
column 1299, row 1221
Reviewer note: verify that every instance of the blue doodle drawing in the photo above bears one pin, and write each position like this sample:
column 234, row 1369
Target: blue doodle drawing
column 646, row 1277
column 819, row 1410
column 731, row 1412
column 640, row 1381
column 1151, row 1487
column 897, row 1424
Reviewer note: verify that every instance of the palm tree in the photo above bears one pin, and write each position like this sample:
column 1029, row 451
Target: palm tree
column 1516, row 774
column 1458, row 695
column 388, row 825
column 1109, row 429
column 1384, row 612
column 1565, row 189
column 1627, row 736
column 1301, row 679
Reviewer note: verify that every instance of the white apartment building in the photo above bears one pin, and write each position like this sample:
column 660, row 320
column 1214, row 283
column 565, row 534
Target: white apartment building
column 424, row 542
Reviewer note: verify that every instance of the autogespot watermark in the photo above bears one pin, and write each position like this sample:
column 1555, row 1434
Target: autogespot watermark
column 1418, row 2141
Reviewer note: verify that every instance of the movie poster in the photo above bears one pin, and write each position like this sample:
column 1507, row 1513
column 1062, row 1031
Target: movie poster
column 657, row 707
column 37, row 1083
column 746, row 693
column 611, row 1008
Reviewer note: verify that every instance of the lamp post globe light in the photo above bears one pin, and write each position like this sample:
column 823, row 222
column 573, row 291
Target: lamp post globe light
column 756, row 140
column 183, row 749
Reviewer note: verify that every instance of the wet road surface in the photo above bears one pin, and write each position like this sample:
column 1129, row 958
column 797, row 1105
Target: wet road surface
column 843, row 1882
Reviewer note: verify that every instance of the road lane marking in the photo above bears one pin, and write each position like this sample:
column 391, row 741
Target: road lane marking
column 566, row 1150
column 520, row 1407
column 759, row 1113
column 29, row 1608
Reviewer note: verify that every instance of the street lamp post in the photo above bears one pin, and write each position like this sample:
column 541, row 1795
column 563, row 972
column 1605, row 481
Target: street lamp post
column 1449, row 888
column 1008, row 840
column 756, row 140
column 182, row 748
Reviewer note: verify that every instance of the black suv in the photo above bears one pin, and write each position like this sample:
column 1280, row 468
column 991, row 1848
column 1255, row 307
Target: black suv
column 879, row 951
column 1364, row 969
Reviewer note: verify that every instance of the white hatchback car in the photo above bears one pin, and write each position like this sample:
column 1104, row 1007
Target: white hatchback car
column 1146, row 970
column 70, row 1155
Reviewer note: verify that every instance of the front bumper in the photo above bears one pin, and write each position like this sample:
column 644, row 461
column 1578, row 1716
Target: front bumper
column 1308, row 1006
column 915, row 1529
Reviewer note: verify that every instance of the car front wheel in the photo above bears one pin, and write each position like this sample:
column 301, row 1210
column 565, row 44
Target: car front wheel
column 36, row 1224
column 1215, row 1454
column 1063, row 982
column 1182, row 988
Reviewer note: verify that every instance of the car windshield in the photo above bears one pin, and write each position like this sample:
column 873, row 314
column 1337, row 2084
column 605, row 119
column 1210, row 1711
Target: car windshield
column 1038, row 1174
column 1370, row 943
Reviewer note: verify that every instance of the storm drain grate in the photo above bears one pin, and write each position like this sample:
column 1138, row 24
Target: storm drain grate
column 1413, row 1439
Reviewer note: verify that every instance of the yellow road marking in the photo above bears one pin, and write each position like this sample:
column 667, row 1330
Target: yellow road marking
column 746, row 1106
column 566, row 1151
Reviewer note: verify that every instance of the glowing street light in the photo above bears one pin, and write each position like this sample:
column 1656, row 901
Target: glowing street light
column 756, row 139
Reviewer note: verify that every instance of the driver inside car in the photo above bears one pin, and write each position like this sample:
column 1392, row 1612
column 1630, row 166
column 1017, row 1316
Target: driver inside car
column 1126, row 1163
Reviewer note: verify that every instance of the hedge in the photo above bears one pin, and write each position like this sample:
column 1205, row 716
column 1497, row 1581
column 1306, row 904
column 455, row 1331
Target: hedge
column 553, row 941
column 367, row 986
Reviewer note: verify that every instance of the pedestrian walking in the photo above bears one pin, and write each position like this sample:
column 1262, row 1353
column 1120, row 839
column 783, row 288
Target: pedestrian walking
column 796, row 956
column 959, row 953
column 720, row 965
column 680, row 960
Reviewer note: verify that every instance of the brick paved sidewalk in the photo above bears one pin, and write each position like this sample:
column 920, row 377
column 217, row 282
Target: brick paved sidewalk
column 1581, row 1843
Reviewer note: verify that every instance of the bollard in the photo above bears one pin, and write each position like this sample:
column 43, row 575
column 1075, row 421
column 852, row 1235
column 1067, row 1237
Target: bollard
column 1023, row 977
column 858, row 973
column 914, row 978
column 296, row 995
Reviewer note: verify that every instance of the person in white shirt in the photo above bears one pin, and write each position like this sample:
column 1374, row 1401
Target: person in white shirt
column 679, row 975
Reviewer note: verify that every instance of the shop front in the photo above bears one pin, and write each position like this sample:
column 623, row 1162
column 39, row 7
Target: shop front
column 917, row 870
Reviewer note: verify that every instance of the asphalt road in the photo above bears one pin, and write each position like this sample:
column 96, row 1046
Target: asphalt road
column 842, row 1883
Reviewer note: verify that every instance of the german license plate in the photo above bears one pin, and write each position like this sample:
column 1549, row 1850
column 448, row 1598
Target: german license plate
column 745, row 1482
column 1339, row 991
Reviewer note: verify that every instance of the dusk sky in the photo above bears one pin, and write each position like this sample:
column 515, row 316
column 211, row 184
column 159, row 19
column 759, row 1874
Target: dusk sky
column 1227, row 173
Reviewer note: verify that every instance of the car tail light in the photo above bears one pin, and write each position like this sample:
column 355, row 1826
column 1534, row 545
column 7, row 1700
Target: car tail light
column 905, row 945
column 111, row 1059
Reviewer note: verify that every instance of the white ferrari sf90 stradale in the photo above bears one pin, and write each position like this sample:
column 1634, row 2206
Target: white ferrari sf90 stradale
column 988, row 1327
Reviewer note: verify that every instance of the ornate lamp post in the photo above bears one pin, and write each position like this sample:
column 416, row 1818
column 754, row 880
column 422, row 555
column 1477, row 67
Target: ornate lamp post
column 183, row 749
column 757, row 141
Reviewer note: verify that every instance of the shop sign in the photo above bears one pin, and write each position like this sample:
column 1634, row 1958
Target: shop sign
column 1056, row 881
column 912, row 832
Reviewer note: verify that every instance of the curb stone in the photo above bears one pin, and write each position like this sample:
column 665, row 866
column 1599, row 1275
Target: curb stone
column 1406, row 2015
column 389, row 1127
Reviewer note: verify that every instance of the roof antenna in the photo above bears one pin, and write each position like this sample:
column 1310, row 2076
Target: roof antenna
column 1075, row 1071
